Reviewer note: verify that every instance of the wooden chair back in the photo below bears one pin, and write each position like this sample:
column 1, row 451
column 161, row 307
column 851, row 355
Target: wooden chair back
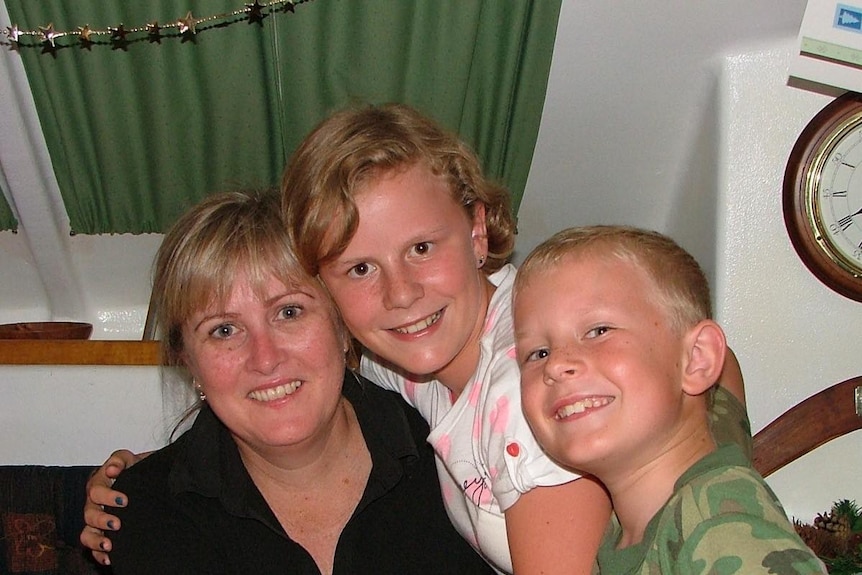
column 830, row 413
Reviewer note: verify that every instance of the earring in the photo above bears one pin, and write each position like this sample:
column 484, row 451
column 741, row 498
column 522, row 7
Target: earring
column 199, row 389
column 481, row 261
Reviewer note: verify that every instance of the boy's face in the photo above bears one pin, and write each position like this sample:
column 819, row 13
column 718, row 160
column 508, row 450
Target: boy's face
column 601, row 365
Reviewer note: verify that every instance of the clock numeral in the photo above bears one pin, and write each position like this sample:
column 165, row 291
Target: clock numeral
column 845, row 222
column 851, row 166
column 838, row 194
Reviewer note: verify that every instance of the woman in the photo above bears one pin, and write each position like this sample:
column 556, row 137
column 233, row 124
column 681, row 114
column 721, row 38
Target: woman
column 293, row 465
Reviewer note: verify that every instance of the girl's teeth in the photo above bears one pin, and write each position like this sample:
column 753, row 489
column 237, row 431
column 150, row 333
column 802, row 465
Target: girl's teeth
column 276, row 392
column 420, row 325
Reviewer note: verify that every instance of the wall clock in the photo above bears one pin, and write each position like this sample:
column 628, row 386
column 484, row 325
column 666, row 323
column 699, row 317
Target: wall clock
column 822, row 195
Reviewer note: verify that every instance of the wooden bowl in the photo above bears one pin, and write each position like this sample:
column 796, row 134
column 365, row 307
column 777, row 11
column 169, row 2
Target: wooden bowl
column 46, row 330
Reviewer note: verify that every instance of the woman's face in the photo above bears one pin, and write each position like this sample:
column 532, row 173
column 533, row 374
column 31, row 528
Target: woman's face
column 271, row 366
column 408, row 284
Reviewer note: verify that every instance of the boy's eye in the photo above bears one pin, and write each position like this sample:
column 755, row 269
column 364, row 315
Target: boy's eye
column 538, row 354
column 597, row 331
column 360, row 270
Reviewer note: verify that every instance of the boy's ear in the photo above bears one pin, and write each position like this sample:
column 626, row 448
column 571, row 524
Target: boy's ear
column 704, row 357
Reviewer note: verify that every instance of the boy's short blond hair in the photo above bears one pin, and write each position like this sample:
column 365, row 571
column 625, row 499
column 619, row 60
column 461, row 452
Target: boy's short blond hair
column 681, row 287
column 355, row 146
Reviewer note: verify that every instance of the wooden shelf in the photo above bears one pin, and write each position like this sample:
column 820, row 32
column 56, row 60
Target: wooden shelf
column 78, row 352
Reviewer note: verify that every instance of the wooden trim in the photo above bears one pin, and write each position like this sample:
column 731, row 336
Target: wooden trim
column 822, row 417
column 78, row 352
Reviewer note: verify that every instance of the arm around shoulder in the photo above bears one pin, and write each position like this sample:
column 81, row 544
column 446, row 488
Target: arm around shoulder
column 558, row 529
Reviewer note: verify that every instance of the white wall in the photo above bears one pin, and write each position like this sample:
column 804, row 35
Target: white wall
column 668, row 114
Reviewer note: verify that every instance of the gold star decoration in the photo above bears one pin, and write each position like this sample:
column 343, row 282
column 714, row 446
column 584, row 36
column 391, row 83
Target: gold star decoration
column 255, row 12
column 12, row 32
column 187, row 25
column 118, row 34
column 154, row 32
column 48, row 34
column 84, row 33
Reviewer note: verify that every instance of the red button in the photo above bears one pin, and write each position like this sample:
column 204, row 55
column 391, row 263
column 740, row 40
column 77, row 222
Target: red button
column 513, row 449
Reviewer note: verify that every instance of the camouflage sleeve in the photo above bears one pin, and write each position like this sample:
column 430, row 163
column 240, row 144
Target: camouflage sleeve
column 729, row 421
column 732, row 523
column 743, row 543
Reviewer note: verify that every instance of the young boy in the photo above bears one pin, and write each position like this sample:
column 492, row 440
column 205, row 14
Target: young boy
column 619, row 356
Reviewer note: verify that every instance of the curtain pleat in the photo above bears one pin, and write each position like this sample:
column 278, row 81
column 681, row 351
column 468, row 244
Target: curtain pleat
column 139, row 133
column 7, row 219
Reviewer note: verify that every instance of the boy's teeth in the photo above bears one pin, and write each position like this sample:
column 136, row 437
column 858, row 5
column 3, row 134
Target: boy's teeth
column 276, row 392
column 420, row 325
column 581, row 406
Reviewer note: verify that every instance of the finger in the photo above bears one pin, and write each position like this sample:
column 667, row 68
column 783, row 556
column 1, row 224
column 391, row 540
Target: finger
column 95, row 541
column 103, row 495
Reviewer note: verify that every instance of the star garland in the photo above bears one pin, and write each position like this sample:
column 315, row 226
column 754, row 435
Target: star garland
column 119, row 36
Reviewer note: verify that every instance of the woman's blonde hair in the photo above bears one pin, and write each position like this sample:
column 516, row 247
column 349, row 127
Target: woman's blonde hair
column 204, row 251
column 681, row 288
column 357, row 145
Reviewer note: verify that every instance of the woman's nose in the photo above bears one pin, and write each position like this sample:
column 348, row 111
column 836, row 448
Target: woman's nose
column 401, row 287
column 264, row 352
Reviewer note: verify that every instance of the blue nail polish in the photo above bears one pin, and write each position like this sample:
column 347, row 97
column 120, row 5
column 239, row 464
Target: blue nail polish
column 119, row 501
column 111, row 524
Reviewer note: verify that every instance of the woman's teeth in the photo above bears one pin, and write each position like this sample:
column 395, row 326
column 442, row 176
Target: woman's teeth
column 276, row 392
column 581, row 406
column 420, row 325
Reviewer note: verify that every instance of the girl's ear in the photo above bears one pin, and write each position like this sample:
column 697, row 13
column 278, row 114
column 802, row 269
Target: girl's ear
column 704, row 357
column 479, row 232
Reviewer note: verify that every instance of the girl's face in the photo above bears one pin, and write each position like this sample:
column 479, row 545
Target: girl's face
column 270, row 364
column 409, row 285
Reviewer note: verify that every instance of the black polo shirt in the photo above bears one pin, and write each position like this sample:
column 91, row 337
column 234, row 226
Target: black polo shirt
column 193, row 508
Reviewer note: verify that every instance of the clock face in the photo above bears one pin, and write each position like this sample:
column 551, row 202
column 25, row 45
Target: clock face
column 822, row 199
column 834, row 195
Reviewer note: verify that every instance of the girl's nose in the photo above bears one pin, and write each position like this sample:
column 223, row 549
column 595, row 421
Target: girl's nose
column 401, row 288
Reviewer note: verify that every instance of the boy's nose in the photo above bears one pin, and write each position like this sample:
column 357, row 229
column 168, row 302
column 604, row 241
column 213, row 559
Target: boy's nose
column 563, row 364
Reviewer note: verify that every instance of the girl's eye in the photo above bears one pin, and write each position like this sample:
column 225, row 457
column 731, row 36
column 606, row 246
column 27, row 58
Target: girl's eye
column 290, row 312
column 359, row 270
column 422, row 248
column 223, row 331
column 538, row 354
column 597, row 331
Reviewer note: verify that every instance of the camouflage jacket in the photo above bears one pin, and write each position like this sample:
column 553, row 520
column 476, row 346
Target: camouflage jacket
column 721, row 518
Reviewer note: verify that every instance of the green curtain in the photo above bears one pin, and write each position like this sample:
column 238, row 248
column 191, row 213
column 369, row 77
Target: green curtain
column 138, row 131
column 7, row 220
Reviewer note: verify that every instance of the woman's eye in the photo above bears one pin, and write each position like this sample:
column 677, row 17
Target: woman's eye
column 538, row 354
column 359, row 270
column 422, row 248
column 290, row 311
column 223, row 331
